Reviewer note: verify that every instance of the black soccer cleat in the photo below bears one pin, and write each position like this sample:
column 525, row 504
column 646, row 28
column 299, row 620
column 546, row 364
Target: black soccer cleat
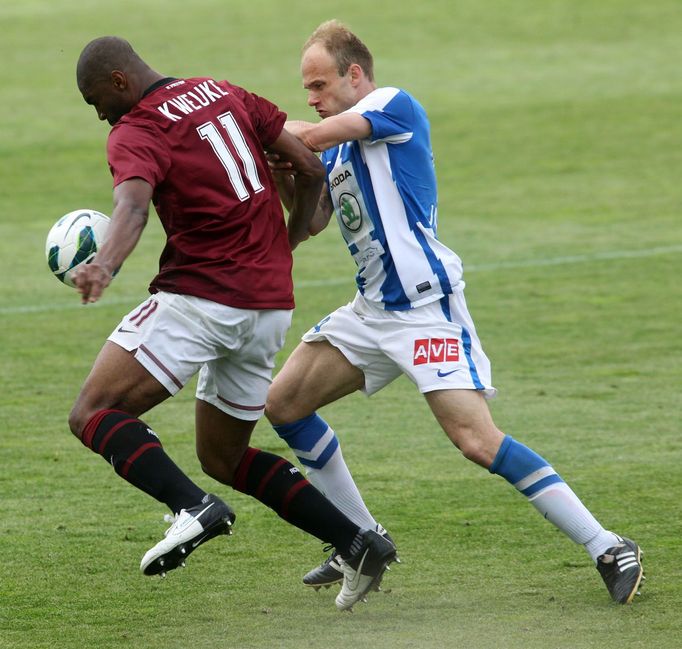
column 326, row 574
column 190, row 528
column 364, row 570
column 621, row 569
column 329, row 572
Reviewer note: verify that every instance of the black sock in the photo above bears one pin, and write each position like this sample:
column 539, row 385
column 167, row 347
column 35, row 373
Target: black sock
column 136, row 454
column 279, row 484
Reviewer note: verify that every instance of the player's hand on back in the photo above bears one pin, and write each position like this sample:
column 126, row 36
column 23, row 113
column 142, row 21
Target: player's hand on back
column 279, row 166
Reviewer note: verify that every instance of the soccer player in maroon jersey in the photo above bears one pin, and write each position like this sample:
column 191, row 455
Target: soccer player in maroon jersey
column 220, row 304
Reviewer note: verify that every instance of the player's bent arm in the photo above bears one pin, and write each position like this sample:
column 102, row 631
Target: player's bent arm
column 331, row 131
column 128, row 220
column 284, row 180
column 131, row 211
column 323, row 213
column 308, row 179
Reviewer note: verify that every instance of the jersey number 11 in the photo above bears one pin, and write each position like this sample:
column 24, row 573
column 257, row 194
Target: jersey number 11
column 209, row 131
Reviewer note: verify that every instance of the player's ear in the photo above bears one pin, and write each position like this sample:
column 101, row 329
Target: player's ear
column 355, row 72
column 119, row 80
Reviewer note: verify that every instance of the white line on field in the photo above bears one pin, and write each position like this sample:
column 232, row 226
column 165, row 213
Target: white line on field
column 471, row 268
column 579, row 259
column 535, row 263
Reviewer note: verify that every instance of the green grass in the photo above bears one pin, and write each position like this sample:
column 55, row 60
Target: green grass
column 557, row 139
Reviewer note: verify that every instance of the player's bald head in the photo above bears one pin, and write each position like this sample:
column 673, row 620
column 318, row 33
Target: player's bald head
column 103, row 55
column 343, row 45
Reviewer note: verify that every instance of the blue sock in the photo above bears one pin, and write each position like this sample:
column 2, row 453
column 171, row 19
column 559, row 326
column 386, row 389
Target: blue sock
column 317, row 448
column 533, row 476
column 311, row 439
column 523, row 468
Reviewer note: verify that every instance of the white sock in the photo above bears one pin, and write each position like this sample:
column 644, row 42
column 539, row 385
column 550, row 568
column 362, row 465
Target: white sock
column 336, row 483
column 561, row 507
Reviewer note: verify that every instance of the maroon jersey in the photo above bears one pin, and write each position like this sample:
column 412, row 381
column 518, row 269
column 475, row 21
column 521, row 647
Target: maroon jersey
column 199, row 143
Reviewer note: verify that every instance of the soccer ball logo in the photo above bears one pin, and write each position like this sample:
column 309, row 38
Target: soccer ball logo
column 73, row 240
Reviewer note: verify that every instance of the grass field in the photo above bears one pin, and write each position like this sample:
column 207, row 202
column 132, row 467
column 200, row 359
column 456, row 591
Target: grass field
column 558, row 148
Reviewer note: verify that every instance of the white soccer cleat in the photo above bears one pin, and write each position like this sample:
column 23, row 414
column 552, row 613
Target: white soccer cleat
column 190, row 528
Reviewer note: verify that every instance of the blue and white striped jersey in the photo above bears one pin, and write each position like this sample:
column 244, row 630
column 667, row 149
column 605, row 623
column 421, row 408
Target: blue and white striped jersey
column 383, row 190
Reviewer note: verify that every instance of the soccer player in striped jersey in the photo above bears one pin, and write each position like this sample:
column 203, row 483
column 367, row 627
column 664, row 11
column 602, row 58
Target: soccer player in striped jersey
column 409, row 315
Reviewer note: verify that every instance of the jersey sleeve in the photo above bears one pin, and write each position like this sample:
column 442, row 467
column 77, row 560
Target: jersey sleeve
column 268, row 120
column 136, row 151
column 390, row 112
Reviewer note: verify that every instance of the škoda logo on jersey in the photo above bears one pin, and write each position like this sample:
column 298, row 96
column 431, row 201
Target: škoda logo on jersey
column 435, row 350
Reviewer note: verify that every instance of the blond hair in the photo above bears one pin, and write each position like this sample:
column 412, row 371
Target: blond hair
column 344, row 46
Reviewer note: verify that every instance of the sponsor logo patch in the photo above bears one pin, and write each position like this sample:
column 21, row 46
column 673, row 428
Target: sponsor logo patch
column 435, row 350
column 350, row 212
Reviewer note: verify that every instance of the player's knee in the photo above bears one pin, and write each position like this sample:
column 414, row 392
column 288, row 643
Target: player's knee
column 219, row 471
column 85, row 408
column 474, row 447
column 279, row 409
column 77, row 420
column 218, row 468
column 212, row 470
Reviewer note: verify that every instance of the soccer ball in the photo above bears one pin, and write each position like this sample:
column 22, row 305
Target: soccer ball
column 73, row 240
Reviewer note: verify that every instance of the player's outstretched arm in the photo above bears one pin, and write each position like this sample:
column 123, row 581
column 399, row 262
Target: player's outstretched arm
column 131, row 210
column 331, row 131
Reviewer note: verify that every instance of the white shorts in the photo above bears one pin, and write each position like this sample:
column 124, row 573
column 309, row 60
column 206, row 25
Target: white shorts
column 175, row 336
column 435, row 345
